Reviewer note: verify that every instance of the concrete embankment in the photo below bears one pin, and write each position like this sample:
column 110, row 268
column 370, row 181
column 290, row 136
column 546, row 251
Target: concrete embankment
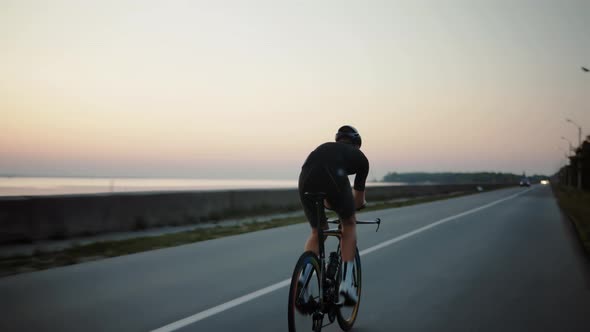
column 34, row 218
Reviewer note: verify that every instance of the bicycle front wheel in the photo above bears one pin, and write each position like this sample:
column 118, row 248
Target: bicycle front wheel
column 347, row 314
column 304, row 295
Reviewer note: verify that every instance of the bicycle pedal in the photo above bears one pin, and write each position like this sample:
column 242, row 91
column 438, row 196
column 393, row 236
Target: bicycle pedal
column 332, row 314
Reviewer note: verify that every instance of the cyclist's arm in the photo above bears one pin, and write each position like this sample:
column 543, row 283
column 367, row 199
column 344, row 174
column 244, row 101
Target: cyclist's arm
column 359, row 181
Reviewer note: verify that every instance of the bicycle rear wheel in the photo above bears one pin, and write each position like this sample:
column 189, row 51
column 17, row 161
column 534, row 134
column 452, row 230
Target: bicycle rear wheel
column 347, row 314
column 304, row 294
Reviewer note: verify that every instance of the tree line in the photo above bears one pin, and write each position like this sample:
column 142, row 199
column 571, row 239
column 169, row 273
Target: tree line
column 459, row 178
column 577, row 173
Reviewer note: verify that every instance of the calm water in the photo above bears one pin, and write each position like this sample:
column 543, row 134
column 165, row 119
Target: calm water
column 19, row 186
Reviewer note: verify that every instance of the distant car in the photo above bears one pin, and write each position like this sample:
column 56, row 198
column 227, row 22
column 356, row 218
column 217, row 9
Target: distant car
column 545, row 182
column 525, row 183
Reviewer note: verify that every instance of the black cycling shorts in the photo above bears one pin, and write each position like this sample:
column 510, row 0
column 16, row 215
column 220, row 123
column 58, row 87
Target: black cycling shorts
column 335, row 184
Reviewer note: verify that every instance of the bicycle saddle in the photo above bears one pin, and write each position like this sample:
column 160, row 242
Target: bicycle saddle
column 318, row 196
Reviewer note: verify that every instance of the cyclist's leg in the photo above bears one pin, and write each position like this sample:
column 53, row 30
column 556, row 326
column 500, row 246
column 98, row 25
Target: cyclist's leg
column 303, row 292
column 312, row 242
column 348, row 242
column 343, row 203
column 347, row 314
column 348, row 249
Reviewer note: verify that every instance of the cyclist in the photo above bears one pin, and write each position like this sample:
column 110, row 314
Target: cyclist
column 326, row 169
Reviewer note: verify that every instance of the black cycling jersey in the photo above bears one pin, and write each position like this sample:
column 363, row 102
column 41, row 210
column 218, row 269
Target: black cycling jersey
column 326, row 169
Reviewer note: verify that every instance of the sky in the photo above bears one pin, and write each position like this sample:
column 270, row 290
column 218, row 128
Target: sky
column 246, row 89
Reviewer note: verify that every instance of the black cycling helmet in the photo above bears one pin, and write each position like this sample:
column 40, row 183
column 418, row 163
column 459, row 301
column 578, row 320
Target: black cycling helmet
column 350, row 133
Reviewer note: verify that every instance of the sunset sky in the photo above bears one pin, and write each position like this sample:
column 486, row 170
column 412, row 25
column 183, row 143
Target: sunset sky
column 246, row 89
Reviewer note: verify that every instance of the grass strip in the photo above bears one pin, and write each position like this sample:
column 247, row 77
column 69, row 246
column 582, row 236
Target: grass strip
column 576, row 205
column 104, row 249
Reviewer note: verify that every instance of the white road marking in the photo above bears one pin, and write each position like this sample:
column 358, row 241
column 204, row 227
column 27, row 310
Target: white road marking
column 256, row 294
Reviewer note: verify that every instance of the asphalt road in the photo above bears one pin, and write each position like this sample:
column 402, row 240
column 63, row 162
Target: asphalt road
column 497, row 261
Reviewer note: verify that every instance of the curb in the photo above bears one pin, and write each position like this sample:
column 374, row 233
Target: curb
column 580, row 236
column 574, row 222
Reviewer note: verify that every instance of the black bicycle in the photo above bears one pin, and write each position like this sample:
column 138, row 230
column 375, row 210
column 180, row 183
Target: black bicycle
column 314, row 285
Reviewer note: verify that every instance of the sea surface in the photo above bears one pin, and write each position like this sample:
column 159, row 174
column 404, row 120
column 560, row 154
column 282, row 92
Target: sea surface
column 34, row 186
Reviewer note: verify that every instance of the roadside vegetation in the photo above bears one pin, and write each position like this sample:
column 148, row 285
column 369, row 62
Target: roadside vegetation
column 99, row 250
column 576, row 205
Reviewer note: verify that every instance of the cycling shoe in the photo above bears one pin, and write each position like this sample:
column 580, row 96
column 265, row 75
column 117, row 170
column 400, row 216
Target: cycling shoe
column 348, row 295
column 305, row 304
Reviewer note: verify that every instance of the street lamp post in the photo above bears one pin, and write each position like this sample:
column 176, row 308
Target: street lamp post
column 579, row 152
column 579, row 130
column 566, row 168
